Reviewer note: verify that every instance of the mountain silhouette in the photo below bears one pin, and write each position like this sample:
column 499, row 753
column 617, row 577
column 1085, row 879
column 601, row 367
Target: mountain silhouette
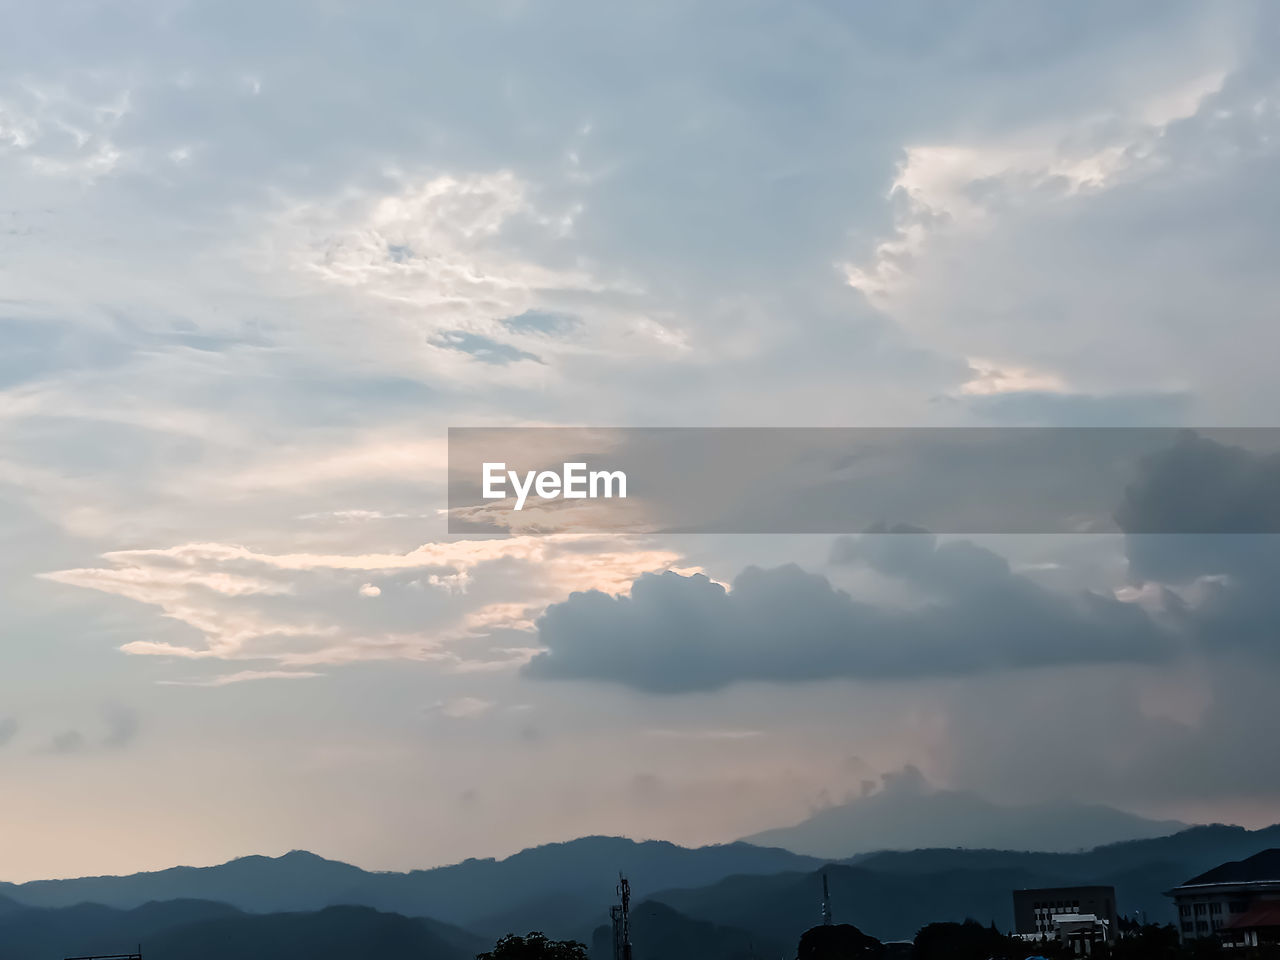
column 562, row 888
column 907, row 815
column 194, row 929
column 42, row 932
column 661, row 933
column 891, row 895
column 335, row 933
column 717, row 898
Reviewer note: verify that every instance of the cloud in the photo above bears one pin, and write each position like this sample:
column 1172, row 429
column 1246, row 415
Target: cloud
column 959, row 188
column 544, row 322
column 1089, row 248
column 9, row 727
column 68, row 742
column 482, row 348
column 292, row 263
column 462, row 604
column 1215, row 577
column 1200, row 485
column 667, row 733
column 677, row 634
column 120, row 728
column 242, row 676
column 442, row 242
column 462, row 708
column 1022, row 407
column 59, row 133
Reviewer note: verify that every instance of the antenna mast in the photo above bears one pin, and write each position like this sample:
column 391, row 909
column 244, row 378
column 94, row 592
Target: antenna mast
column 826, row 901
column 621, row 917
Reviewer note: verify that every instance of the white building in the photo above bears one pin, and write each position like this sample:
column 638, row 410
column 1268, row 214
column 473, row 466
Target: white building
column 1218, row 902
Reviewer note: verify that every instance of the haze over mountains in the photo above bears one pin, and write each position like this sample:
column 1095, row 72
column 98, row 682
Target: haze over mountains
column 964, row 856
column 714, row 898
column 195, row 929
column 906, row 814
column 559, row 885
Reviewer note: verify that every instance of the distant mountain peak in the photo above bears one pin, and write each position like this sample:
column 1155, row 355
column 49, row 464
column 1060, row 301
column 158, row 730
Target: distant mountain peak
column 907, row 814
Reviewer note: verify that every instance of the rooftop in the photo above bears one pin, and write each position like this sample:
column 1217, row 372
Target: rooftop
column 1260, row 867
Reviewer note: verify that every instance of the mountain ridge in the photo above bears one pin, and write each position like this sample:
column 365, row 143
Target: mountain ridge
column 720, row 893
column 892, row 893
column 488, row 895
column 907, row 815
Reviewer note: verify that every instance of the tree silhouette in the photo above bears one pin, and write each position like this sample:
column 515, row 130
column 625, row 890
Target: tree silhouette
column 840, row 941
column 535, row 946
column 966, row 941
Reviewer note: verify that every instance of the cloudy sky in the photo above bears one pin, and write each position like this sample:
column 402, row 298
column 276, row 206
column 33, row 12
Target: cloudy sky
column 256, row 259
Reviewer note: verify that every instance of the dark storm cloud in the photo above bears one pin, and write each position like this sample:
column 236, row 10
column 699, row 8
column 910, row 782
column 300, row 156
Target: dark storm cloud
column 676, row 634
column 1199, row 485
column 1223, row 499
column 1210, row 486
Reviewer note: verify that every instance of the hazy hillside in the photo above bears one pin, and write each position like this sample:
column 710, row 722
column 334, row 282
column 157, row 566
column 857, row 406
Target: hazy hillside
column 563, row 888
column 890, row 895
column 908, row 819
column 193, row 929
column 661, row 933
column 1205, row 844
column 88, row 928
column 886, row 906
column 335, row 933
column 717, row 898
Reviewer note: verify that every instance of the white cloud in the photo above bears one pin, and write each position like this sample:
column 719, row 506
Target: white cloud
column 283, row 608
column 442, row 242
column 58, row 133
column 956, row 188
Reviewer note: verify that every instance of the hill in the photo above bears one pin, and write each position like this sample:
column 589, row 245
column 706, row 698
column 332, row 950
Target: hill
column 335, row 933
column 909, row 818
column 885, row 906
column 661, row 933
column 42, row 932
column 563, row 888
column 195, row 929
column 891, row 895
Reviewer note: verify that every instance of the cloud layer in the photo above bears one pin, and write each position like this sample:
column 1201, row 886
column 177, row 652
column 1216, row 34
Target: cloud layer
column 678, row 634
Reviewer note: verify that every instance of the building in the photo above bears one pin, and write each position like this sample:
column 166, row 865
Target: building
column 1078, row 932
column 1238, row 901
column 1259, row 924
column 1035, row 912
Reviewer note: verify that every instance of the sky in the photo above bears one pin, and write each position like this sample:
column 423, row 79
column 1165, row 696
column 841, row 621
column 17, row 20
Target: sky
column 255, row 260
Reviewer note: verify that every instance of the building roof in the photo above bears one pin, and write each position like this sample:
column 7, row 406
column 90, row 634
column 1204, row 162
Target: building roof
column 1264, row 914
column 1259, row 867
